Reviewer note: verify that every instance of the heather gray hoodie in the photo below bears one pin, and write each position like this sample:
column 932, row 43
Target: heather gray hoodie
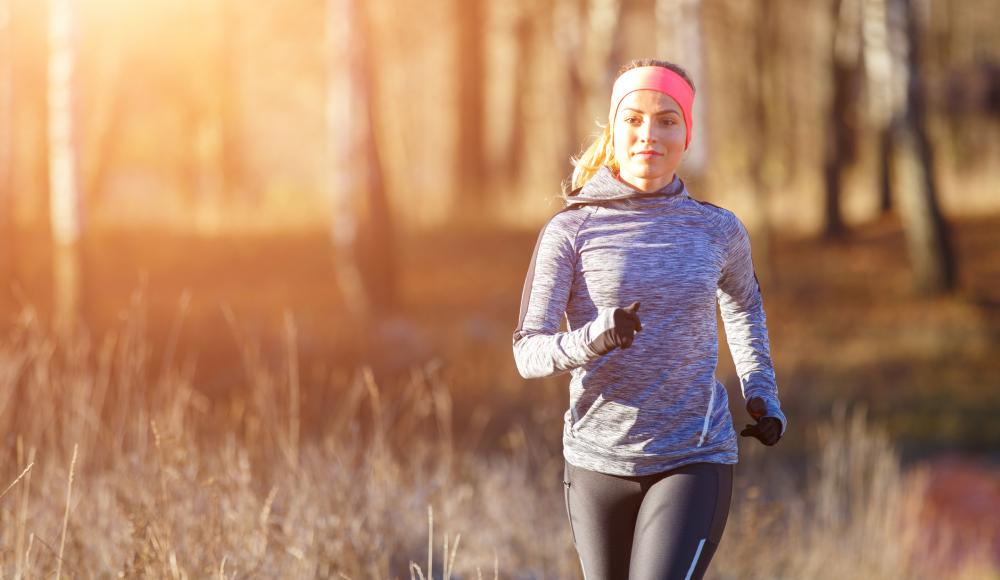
column 658, row 404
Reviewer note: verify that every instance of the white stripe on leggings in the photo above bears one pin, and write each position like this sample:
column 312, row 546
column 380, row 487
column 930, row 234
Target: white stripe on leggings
column 694, row 562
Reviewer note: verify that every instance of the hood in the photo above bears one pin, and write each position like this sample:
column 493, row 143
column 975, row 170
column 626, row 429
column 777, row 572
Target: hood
column 604, row 186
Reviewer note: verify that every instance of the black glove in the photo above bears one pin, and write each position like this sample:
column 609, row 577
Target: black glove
column 767, row 429
column 623, row 333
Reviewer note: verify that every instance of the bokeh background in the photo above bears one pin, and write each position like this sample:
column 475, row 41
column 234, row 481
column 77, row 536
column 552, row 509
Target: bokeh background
column 260, row 264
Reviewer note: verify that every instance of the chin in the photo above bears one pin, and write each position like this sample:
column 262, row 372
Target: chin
column 649, row 173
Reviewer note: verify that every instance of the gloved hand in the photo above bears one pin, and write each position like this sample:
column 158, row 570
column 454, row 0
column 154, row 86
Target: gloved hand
column 767, row 429
column 621, row 336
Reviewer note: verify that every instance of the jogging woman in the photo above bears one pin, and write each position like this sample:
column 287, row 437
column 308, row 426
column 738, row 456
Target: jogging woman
column 637, row 266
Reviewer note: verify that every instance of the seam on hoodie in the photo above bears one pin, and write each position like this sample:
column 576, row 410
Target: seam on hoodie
column 708, row 415
column 530, row 276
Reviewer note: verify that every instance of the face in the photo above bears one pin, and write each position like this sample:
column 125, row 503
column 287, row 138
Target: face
column 649, row 134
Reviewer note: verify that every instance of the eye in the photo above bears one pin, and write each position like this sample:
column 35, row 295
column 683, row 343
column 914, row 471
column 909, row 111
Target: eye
column 632, row 120
column 668, row 121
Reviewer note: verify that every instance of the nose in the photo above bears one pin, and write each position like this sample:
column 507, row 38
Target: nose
column 646, row 132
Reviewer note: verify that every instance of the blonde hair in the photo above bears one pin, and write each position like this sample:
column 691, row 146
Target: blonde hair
column 601, row 152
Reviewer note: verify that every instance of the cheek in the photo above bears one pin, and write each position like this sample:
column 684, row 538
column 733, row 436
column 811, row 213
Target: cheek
column 622, row 135
column 622, row 143
column 675, row 143
column 674, row 135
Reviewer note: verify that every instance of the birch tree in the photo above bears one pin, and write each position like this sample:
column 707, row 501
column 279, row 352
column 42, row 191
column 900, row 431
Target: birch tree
column 679, row 39
column 586, row 34
column 885, row 90
column 915, row 180
column 600, row 63
column 892, row 60
column 64, row 195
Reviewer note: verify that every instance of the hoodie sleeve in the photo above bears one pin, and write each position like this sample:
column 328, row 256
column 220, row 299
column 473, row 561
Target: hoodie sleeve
column 540, row 350
column 746, row 325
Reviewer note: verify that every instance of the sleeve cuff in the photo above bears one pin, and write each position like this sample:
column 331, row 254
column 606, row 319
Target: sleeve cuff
column 604, row 322
column 774, row 410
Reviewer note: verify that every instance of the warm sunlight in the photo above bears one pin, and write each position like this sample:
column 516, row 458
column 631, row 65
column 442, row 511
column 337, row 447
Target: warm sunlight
column 374, row 288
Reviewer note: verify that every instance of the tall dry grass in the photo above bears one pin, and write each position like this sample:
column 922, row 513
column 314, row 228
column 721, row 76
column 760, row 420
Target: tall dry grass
column 115, row 464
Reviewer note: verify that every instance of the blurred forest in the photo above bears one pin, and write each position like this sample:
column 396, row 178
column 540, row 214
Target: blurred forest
column 248, row 221
column 202, row 120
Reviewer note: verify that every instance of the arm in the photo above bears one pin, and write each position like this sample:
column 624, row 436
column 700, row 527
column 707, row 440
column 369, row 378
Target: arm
column 540, row 350
column 746, row 325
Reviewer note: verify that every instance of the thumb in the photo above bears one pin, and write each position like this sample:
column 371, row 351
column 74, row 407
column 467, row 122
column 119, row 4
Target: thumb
column 632, row 311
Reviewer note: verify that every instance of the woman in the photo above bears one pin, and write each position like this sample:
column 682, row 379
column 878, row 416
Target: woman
column 648, row 439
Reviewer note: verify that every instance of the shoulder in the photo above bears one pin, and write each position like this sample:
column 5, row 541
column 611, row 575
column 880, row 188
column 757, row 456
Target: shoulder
column 724, row 220
column 715, row 212
column 566, row 223
column 557, row 238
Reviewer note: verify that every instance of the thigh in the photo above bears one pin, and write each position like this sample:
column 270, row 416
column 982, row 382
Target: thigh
column 680, row 522
column 602, row 510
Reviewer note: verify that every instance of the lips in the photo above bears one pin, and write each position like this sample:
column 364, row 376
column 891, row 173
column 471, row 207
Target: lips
column 649, row 154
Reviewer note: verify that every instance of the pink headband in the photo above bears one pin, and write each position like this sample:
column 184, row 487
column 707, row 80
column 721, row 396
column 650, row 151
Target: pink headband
column 655, row 78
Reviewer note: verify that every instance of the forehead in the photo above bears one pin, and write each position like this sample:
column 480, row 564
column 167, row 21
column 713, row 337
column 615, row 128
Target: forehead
column 649, row 101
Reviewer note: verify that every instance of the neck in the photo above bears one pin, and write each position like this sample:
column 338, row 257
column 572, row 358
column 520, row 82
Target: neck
column 645, row 185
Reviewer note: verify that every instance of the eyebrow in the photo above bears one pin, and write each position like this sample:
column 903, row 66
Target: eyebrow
column 663, row 112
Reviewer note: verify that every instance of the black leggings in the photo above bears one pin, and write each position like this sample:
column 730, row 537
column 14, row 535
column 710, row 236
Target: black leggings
column 651, row 527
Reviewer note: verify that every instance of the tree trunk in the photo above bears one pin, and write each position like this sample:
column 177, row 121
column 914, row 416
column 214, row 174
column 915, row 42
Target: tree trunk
column 107, row 118
column 376, row 249
column 345, row 183
column 763, row 30
column 927, row 236
column 567, row 25
column 603, row 27
column 231, row 156
column 362, row 230
column 885, row 169
column 839, row 143
column 524, row 38
column 64, row 195
column 679, row 39
column 885, row 95
column 470, row 147
column 587, row 34
column 615, row 56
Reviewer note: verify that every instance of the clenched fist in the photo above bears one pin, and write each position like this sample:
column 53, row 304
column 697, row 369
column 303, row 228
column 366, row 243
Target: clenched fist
column 623, row 333
column 767, row 429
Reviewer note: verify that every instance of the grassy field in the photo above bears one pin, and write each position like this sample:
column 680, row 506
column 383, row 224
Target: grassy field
column 221, row 417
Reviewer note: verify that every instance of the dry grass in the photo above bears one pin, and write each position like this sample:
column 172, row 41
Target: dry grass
column 116, row 464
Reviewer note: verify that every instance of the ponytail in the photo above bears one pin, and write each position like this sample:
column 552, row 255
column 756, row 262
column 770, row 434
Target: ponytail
column 601, row 152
